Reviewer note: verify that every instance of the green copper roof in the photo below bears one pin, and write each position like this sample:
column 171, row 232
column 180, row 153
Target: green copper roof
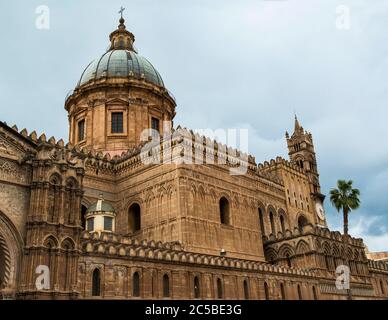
column 121, row 63
column 100, row 206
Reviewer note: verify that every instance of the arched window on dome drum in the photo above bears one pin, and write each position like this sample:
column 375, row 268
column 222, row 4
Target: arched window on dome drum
column 117, row 122
column 134, row 218
column 299, row 293
column 136, row 285
column 246, row 290
column 282, row 292
column 219, row 289
column 261, row 221
column 166, row 286
column 81, row 130
column 273, row 230
column 266, row 291
column 224, row 211
column 155, row 124
column 96, row 283
column 197, row 288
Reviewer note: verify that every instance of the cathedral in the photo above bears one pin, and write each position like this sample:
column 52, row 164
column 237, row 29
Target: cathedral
column 98, row 218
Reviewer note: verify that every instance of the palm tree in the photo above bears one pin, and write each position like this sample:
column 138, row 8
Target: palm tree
column 345, row 198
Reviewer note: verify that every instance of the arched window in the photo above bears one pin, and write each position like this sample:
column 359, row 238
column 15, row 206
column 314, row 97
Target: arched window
column 197, row 289
column 219, row 289
column 382, row 287
column 302, row 221
column 266, row 291
column 53, row 195
column 83, row 219
column 224, row 211
column 134, row 218
column 246, row 290
column 136, row 285
column 282, row 225
column 299, row 293
column 96, row 283
column 282, row 292
column 315, row 297
column 273, row 230
column 166, row 286
column 288, row 259
column 327, row 263
column 261, row 221
column 2, row 265
column 81, row 130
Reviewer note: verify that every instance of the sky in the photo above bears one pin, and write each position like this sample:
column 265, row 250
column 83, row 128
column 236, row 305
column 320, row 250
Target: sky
column 230, row 64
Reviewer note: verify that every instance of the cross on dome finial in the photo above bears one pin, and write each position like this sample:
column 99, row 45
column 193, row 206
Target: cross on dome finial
column 121, row 11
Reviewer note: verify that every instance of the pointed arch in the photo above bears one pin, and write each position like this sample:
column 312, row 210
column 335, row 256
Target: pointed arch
column 300, row 297
column 302, row 247
column 224, row 207
column 220, row 293
column 11, row 244
column 261, row 212
column 282, row 291
column 302, row 222
column 266, row 291
column 166, row 286
column 246, row 289
column 96, row 282
column 282, row 221
column 197, row 288
column 134, row 217
column 136, row 284
column 286, row 249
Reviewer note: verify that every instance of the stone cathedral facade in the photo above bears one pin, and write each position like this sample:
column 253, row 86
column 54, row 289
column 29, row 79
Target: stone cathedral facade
column 109, row 225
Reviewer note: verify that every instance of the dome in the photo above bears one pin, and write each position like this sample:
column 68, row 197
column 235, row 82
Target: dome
column 100, row 206
column 121, row 63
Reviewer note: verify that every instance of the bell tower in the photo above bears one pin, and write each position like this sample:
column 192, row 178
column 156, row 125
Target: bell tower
column 301, row 152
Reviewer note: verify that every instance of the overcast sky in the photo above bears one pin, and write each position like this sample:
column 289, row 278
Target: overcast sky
column 230, row 64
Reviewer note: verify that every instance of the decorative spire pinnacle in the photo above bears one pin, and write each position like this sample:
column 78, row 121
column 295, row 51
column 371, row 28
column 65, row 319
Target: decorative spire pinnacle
column 297, row 128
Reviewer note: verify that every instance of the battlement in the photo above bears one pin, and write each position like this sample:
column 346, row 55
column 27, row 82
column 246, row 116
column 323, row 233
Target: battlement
column 378, row 266
column 280, row 162
column 309, row 229
column 112, row 245
column 134, row 157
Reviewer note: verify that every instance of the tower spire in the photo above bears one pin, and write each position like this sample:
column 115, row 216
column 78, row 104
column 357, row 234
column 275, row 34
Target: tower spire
column 297, row 125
